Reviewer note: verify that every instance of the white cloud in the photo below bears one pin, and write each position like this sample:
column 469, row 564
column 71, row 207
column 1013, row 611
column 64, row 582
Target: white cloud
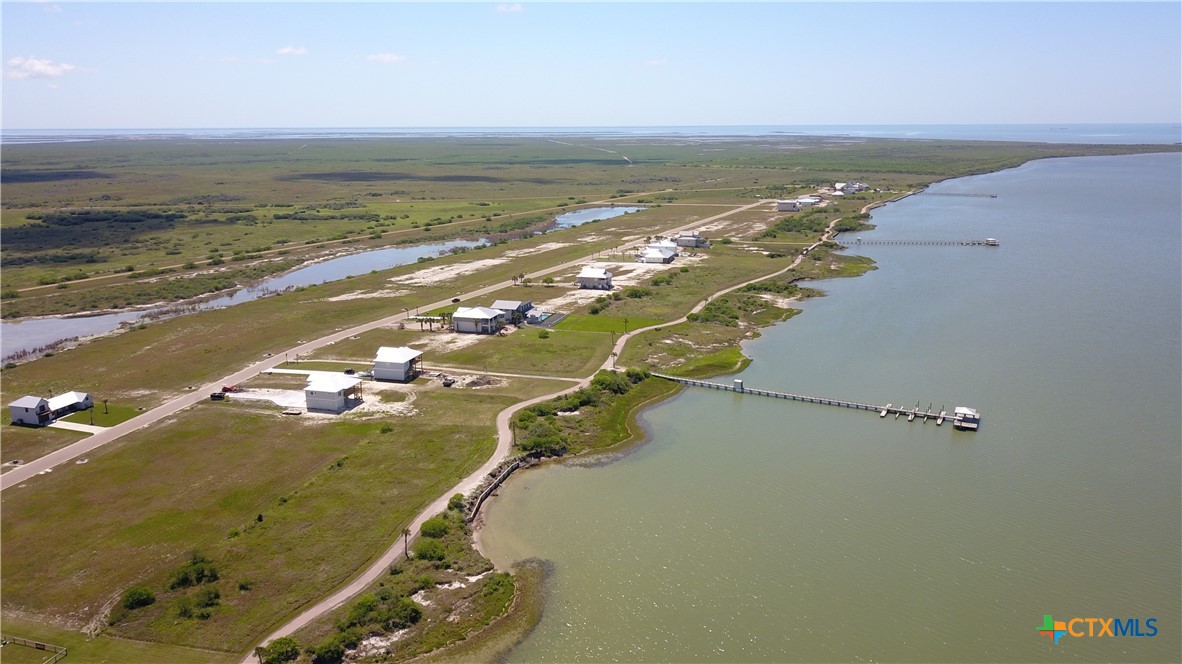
column 292, row 50
column 510, row 9
column 385, row 57
column 31, row 67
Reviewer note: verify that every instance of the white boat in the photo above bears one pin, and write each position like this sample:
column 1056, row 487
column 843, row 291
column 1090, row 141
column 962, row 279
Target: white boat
column 966, row 418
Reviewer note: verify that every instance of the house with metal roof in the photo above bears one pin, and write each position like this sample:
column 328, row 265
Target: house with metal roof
column 594, row 277
column 331, row 392
column 400, row 363
column 478, row 320
column 69, row 402
column 30, row 410
column 651, row 254
column 515, row 311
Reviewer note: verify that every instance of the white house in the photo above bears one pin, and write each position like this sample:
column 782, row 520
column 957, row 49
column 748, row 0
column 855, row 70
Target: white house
column 806, row 201
column 30, row 410
column 691, row 239
column 664, row 243
column 478, row 320
column 515, row 311
column 69, row 402
column 397, row 363
column 594, row 277
column 788, row 206
column 850, row 187
column 331, row 392
column 653, row 254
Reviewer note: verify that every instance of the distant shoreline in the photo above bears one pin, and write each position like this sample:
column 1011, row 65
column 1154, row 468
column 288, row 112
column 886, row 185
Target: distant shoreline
column 1086, row 133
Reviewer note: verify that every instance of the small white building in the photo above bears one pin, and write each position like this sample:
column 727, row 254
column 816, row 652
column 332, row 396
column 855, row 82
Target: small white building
column 788, row 206
column 30, row 410
column 850, row 187
column 651, row 254
column 691, row 239
column 594, row 277
column 69, row 402
column 399, row 363
column 807, row 201
column 331, row 392
column 478, row 320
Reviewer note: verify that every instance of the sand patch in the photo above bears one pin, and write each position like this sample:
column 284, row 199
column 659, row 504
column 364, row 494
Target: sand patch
column 375, row 645
column 444, row 342
column 540, row 249
column 444, row 273
column 362, row 295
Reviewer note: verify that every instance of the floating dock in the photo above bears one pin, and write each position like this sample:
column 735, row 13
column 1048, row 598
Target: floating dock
column 969, row 416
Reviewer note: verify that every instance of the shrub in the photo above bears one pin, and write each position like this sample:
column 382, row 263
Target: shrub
column 456, row 502
column 429, row 549
column 199, row 570
column 285, row 649
column 404, row 613
column 329, row 652
column 543, row 334
column 207, row 597
column 435, row 527
column 137, row 596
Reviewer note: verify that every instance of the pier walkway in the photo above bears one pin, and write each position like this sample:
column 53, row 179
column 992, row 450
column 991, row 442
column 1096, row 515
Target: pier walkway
column 987, row 242
column 889, row 409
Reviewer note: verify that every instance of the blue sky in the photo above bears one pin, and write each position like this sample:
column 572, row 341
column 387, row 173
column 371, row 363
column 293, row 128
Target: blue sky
column 161, row 65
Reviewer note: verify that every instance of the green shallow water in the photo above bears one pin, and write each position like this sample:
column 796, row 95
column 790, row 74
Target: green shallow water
column 750, row 529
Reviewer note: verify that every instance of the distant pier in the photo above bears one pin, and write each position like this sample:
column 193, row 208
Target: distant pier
column 941, row 193
column 987, row 242
column 924, row 414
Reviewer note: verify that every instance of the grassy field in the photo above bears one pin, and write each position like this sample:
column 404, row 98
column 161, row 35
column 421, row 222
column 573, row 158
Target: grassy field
column 99, row 649
column 617, row 324
column 330, row 495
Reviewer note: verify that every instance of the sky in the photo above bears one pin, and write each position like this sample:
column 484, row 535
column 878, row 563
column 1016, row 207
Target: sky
column 557, row 64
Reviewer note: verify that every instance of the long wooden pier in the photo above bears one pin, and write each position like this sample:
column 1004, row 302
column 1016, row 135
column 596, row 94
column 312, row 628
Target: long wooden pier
column 988, row 242
column 911, row 413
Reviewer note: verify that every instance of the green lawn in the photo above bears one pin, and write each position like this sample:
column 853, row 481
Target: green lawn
column 104, row 416
column 602, row 323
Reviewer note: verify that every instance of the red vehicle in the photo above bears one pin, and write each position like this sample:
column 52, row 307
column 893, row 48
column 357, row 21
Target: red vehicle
column 231, row 388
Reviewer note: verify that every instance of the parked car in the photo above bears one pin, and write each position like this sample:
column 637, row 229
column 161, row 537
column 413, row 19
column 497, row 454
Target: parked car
column 217, row 396
column 349, row 372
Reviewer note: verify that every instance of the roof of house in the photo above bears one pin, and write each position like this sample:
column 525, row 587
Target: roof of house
column 27, row 402
column 688, row 234
column 669, row 244
column 663, row 252
column 476, row 313
column 512, row 305
column 331, row 383
column 589, row 272
column 397, row 354
column 67, row 399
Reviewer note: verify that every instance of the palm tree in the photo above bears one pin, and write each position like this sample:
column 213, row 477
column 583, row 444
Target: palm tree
column 405, row 540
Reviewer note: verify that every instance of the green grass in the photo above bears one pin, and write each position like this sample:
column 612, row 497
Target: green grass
column 104, row 416
column 565, row 353
column 29, row 443
column 100, row 649
column 333, row 495
column 603, row 323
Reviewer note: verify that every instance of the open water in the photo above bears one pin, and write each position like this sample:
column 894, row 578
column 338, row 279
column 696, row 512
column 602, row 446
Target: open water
column 750, row 529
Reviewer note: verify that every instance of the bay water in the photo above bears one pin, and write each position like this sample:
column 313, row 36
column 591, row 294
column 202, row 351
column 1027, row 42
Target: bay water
column 751, row 529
